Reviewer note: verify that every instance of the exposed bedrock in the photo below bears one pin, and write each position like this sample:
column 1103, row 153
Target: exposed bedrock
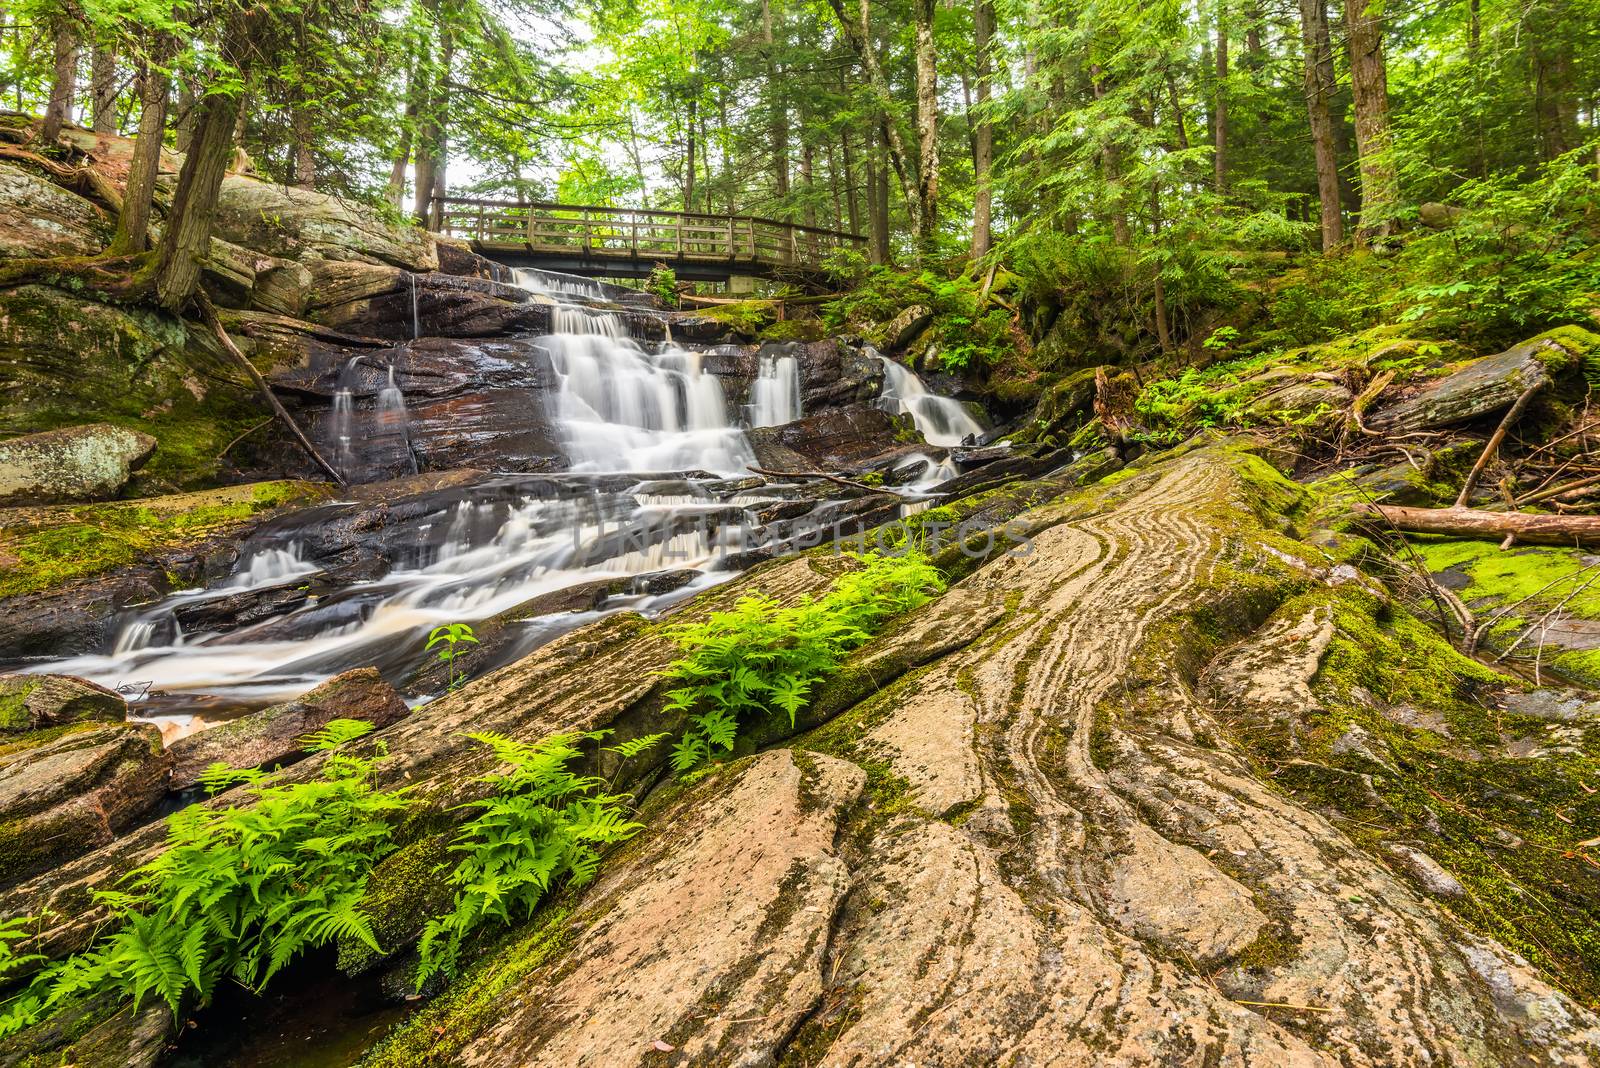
column 1060, row 857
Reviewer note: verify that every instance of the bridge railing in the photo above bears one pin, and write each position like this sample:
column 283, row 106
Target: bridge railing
column 638, row 233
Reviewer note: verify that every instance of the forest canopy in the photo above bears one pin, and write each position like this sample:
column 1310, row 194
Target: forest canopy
column 1098, row 143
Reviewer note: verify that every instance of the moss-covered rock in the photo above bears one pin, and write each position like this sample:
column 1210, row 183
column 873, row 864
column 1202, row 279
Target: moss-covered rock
column 38, row 702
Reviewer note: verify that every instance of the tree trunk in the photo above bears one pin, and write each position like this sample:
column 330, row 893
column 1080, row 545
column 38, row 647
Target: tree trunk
column 688, row 156
column 850, row 188
column 927, row 133
column 1380, row 186
column 808, row 185
column 777, row 112
column 103, row 88
column 155, row 87
column 305, row 164
column 878, row 201
column 860, row 36
column 1219, row 113
column 983, row 25
column 187, row 239
column 188, row 115
column 1471, row 523
column 62, row 79
column 1319, row 95
column 1111, row 167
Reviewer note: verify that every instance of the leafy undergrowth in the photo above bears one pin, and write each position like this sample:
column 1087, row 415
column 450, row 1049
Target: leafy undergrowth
column 43, row 548
column 238, row 893
column 1408, row 748
column 761, row 658
column 968, row 332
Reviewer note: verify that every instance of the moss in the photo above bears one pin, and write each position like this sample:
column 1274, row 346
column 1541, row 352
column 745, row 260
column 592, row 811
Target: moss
column 408, row 887
column 793, row 330
column 435, row 1034
column 1509, row 828
column 62, row 544
column 14, row 711
column 747, row 317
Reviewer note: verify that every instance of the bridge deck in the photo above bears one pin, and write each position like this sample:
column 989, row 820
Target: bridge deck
column 628, row 242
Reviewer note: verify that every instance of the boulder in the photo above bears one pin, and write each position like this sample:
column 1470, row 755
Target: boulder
column 305, row 225
column 1484, row 385
column 271, row 737
column 833, row 440
column 74, row 360
column 37, row 702
column 1437, row 216
column 905, row 327
column 39, row 218
column 63, row 794
column 1310, row 404
column 79, row 463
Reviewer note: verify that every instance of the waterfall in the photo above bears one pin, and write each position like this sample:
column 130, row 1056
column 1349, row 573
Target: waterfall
column 775, row 394
column 550, row 283
column 940, row 420
column 622, row 408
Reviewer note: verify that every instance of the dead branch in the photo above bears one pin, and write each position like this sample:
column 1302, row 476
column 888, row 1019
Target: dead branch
column 209, row 313
column 1493, row 445
column 795, row 475
column 1571, row 530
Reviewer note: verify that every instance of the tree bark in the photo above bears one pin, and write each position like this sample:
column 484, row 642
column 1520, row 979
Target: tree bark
column 188, row 115
column 1380, row 185
column 927, row 132
column 1219, row 111
column 305, row 164
column 860, row 37
column 777, row 112
column 103, row 88
column 1319, row 85
column 62, row 79
column 983, row 24
column 689, row 154
column 1473, row 523
column 186, row 241
column 155, row 87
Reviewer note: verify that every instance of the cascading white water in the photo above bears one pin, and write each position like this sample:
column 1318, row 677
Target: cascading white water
column 622, row 408
column 552, row 284
column 775, row 394
column 940, row 420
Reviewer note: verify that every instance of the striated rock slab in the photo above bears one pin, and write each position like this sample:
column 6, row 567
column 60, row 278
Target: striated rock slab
column 62, row 795
column 271, row 737
column 79, row 463
column 710, row 936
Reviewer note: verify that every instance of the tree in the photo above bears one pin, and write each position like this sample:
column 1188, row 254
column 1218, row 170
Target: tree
column 927, row 131
column 1318, row 62
column 983, row 21
column 1380, row 184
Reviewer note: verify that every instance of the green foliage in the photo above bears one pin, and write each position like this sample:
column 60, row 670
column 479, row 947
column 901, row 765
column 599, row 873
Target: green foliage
column 238, row 893
column 967, row 333
column 541, row 824
column 663, row 282
column 761, row 658
column 450, row 640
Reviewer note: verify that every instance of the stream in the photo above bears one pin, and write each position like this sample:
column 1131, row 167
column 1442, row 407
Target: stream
column 656, row 498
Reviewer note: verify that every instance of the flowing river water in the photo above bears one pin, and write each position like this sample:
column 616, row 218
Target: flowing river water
column 657, row 482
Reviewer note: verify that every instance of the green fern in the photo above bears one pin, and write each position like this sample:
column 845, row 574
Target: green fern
column 334, row 733
column 543, row 824
column 761, row 659
column 238, row 894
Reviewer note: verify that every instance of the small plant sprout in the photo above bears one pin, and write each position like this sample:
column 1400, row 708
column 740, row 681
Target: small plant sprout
column 449, row 640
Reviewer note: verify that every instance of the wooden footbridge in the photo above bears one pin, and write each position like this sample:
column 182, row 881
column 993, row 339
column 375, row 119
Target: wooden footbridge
column 629, row 242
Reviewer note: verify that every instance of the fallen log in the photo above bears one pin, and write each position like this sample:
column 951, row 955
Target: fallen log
column 1575, row 530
